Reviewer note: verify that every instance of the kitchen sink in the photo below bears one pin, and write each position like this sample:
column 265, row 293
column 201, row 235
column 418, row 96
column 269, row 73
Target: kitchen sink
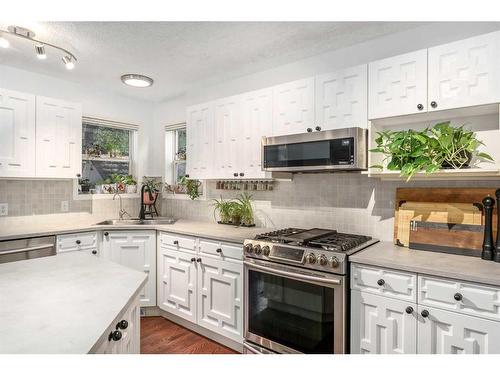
column 159, row 221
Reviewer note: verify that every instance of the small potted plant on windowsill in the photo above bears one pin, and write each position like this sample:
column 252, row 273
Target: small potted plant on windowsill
column 130, row 184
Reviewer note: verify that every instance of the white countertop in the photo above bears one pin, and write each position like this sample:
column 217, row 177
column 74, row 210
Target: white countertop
column 33, row 226
column 386, row 254
column 63, row 303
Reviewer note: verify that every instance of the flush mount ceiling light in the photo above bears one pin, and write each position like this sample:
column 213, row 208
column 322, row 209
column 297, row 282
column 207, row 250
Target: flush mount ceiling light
column 20, row 32
column 136, row 80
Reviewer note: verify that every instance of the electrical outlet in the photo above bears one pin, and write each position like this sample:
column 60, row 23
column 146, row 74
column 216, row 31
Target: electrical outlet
column 64, row 206
column 4, row 209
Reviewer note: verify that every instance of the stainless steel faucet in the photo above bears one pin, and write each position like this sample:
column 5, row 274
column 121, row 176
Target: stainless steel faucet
column 122, row 212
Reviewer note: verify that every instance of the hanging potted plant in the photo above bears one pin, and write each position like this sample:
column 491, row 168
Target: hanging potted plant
column 192, row 187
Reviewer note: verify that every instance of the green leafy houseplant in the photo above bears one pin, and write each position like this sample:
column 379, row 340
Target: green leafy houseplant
column 114, row 141
column 442, row 146
column 192, row 187
column 237, row 212
column 224, row 208
column 152, row 189
column 246, row 210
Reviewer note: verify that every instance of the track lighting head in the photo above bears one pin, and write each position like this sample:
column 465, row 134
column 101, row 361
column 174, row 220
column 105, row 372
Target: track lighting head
column 68, row 62
column 40, row 51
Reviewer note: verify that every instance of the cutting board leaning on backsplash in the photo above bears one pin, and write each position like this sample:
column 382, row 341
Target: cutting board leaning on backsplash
column 440, row 205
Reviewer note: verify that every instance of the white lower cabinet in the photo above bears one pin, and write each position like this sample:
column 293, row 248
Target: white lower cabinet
column 137, row 250
column 381, row 325
column 202, row 286
column 384, row 325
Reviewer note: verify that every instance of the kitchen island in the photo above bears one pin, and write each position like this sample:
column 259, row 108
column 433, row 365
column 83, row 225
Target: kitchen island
column 69, row 303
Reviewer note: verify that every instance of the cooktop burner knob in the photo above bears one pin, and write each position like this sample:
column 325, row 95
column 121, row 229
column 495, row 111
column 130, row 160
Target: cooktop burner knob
column 266, row 250
column 311, row 258
column 257, row 249
column 334, row 261
column 322, row 260
column 248, row 248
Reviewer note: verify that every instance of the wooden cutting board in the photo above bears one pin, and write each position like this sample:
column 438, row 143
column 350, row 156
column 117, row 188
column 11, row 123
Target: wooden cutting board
column 458, row 213
column 469, row 196
column 462, row 239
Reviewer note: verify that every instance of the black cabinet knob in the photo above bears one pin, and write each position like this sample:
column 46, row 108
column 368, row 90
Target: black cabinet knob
column 198, row 260
column 193, row 260
column 94, row 252
column 122, row 324
column 309, row 130
column 381, row 282
column 318, row 128
column 242, row 174
column 409, row 310
column 424, row 313
column 78, row 175
column 106, row 234
column 115, row 336
column 420, row 107
column 78, row 242
column 219, row 250
column 458, row 297
column 176, row 242
column 434, row 104
column 235, row 174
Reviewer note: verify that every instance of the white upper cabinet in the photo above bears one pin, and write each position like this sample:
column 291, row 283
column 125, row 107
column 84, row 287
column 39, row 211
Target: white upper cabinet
column 200, row 140
column 342, row 99
column 58, row 138
column 228, row 137
column 465, row 73
column 398, row 85
column 293, row 107
column 256, row 122
column 17, row 134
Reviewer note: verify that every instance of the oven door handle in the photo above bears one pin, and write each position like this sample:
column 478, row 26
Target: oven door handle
column 296, row 276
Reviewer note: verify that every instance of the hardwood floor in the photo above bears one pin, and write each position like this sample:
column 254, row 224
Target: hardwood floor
column 161, row 336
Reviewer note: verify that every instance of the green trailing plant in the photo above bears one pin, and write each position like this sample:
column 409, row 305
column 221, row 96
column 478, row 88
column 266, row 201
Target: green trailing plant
column 129, row 180
column 192, row 187
column 429, row 150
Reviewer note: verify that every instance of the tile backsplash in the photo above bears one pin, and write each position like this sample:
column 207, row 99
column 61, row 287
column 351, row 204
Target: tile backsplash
column 349, row 202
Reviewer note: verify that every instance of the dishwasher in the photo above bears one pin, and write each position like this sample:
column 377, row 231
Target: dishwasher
column 27, row 248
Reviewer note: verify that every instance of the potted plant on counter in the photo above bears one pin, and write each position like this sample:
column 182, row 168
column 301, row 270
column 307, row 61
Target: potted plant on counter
column 130, row 184
column 151, row 191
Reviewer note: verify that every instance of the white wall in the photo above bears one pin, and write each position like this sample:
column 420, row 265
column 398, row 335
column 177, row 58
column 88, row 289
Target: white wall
column 95, row 103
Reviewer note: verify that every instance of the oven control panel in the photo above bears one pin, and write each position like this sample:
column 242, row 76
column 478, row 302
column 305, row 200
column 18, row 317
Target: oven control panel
column 313, row 258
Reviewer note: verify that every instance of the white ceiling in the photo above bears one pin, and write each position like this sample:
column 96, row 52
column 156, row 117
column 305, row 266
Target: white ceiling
column 181, row 55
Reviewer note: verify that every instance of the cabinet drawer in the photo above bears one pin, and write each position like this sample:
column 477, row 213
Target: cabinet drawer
column 77, row 241
column 464, row 297
column 221, row 250
column 385, row 282
column 178, row 242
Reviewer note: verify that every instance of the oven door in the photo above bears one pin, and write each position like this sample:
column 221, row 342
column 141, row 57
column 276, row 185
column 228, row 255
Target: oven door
column 292, row 310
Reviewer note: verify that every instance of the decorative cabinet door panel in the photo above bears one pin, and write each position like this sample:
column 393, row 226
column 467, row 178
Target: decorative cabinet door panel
column 17, row 134
column 228, row 137
column 381, row 325
column 293, row 107
column 200, row 140
column 135, row 250
column 465, row 73
column 256, row 121
column 58, row 138
column 177, row 283
column 444, row 332
column 342, row 99
column 220, row 295
column 398, row 85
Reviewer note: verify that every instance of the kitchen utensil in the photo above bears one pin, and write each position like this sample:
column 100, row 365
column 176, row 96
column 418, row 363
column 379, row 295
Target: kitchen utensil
column 488, row 246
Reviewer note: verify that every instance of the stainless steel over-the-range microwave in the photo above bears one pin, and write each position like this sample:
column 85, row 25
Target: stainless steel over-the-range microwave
column 328, row 150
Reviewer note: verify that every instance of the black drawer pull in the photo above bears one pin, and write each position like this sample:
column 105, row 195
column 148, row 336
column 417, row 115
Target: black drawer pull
column 381, row 282
column 106, row 234
column 409, row 310
column 458, row 297
column 94, row 252
column 78, row 242
column 198, row 260
column 219, row 250
column 176, row 242
column 115, row 336
column 424, row 313
column 193, row 260
column 123, row 324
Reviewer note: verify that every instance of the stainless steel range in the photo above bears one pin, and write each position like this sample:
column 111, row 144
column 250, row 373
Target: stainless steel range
column 295, row 290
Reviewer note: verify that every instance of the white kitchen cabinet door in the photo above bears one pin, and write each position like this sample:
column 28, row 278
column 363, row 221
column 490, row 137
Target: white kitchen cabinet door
column 398, row 85
column 58, row 138
column 228, row 137
column 465, row 73
column 177, row 283
column 293, row 107
column 200, row 140
column 17, row 134
column 220, row 295
column 381, row 325
column 137, row 250
column 444, row 332
column 342, row 99
column 256, row 122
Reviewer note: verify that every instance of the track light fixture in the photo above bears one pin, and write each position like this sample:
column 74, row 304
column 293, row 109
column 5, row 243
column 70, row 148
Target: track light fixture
column 69, row 59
